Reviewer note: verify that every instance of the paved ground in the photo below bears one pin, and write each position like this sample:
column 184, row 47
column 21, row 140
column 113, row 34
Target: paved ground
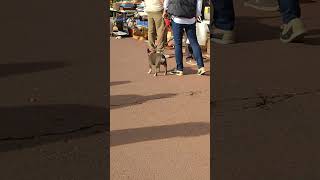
column 266, row 100
column 159, row 125
column 53, row 83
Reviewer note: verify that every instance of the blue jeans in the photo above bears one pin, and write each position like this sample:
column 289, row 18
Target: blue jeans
column 224, row 16
column 178, row 30
column 290, row 9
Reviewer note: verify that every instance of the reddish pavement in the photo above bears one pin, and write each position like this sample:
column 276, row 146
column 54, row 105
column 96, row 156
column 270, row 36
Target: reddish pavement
column 266, row 100
column 159, row 125
column 53, row 80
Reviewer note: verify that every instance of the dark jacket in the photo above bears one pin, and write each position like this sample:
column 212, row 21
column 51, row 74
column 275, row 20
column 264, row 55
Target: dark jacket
column 183, row 8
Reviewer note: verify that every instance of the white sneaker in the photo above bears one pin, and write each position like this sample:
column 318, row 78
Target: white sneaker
column 176, row 72
column 201, row 71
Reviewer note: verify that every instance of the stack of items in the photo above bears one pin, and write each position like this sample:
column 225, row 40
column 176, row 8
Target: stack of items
column 138, row 34
column 129, row 17
column 141, row 14
column 116, row 6
column 140, row 30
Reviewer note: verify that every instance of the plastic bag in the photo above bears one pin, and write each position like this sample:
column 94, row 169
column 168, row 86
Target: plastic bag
column 202, row 33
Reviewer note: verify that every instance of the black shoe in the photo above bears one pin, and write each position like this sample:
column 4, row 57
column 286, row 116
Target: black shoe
column 263, row 5
column 293, row 31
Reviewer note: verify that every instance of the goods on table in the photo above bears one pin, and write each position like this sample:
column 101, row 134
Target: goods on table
column 137, row 31
column 114, row 29
column 116, row 6
column 123, row 16
column 111, row 25
column 134, row 23
column 119, row 33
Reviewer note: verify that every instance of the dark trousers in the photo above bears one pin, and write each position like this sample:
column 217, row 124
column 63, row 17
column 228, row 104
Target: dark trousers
column 190, row 29
column 224, row 16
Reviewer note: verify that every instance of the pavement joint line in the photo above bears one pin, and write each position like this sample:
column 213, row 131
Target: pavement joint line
column 259, row 102
column 52, row 134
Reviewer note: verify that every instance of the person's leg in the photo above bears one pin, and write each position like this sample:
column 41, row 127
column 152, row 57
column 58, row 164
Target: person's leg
column 290, row 9
column 189, row 56
column 292, row 29
column 263, row 5
column 161, row 31
column 177, row 36
column 196, row 49
column 223, row 14
column 223, row 22
column 151, row 32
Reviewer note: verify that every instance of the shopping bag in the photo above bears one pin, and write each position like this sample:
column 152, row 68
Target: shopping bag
column 202, row 32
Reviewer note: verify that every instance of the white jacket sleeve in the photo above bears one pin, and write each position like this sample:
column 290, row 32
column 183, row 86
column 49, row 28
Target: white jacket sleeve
column 165, row 4
column 199, row 7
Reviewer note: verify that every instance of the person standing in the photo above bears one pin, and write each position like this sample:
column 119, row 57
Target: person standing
column 184, row 14
column 156, row 25
column 224, row 21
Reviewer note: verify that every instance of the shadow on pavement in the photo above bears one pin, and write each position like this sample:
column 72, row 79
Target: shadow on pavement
column 258, row 142
column 115, row 83
column 313, row 37
column 189, row 70
column 194, row 70
column 24, row 68
column 120, row 101
column 250, row 29
column 307, row 1
column 128, row 136
column 29, row 126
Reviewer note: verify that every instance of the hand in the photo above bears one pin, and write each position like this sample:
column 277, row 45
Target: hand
column 165, row 14
column 199, row 18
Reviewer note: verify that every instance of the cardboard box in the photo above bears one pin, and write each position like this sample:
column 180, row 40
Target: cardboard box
column 116, row 6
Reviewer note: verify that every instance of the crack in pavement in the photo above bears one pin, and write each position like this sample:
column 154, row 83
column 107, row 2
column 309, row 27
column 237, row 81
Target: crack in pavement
column 53, row 133
column 252, row 103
